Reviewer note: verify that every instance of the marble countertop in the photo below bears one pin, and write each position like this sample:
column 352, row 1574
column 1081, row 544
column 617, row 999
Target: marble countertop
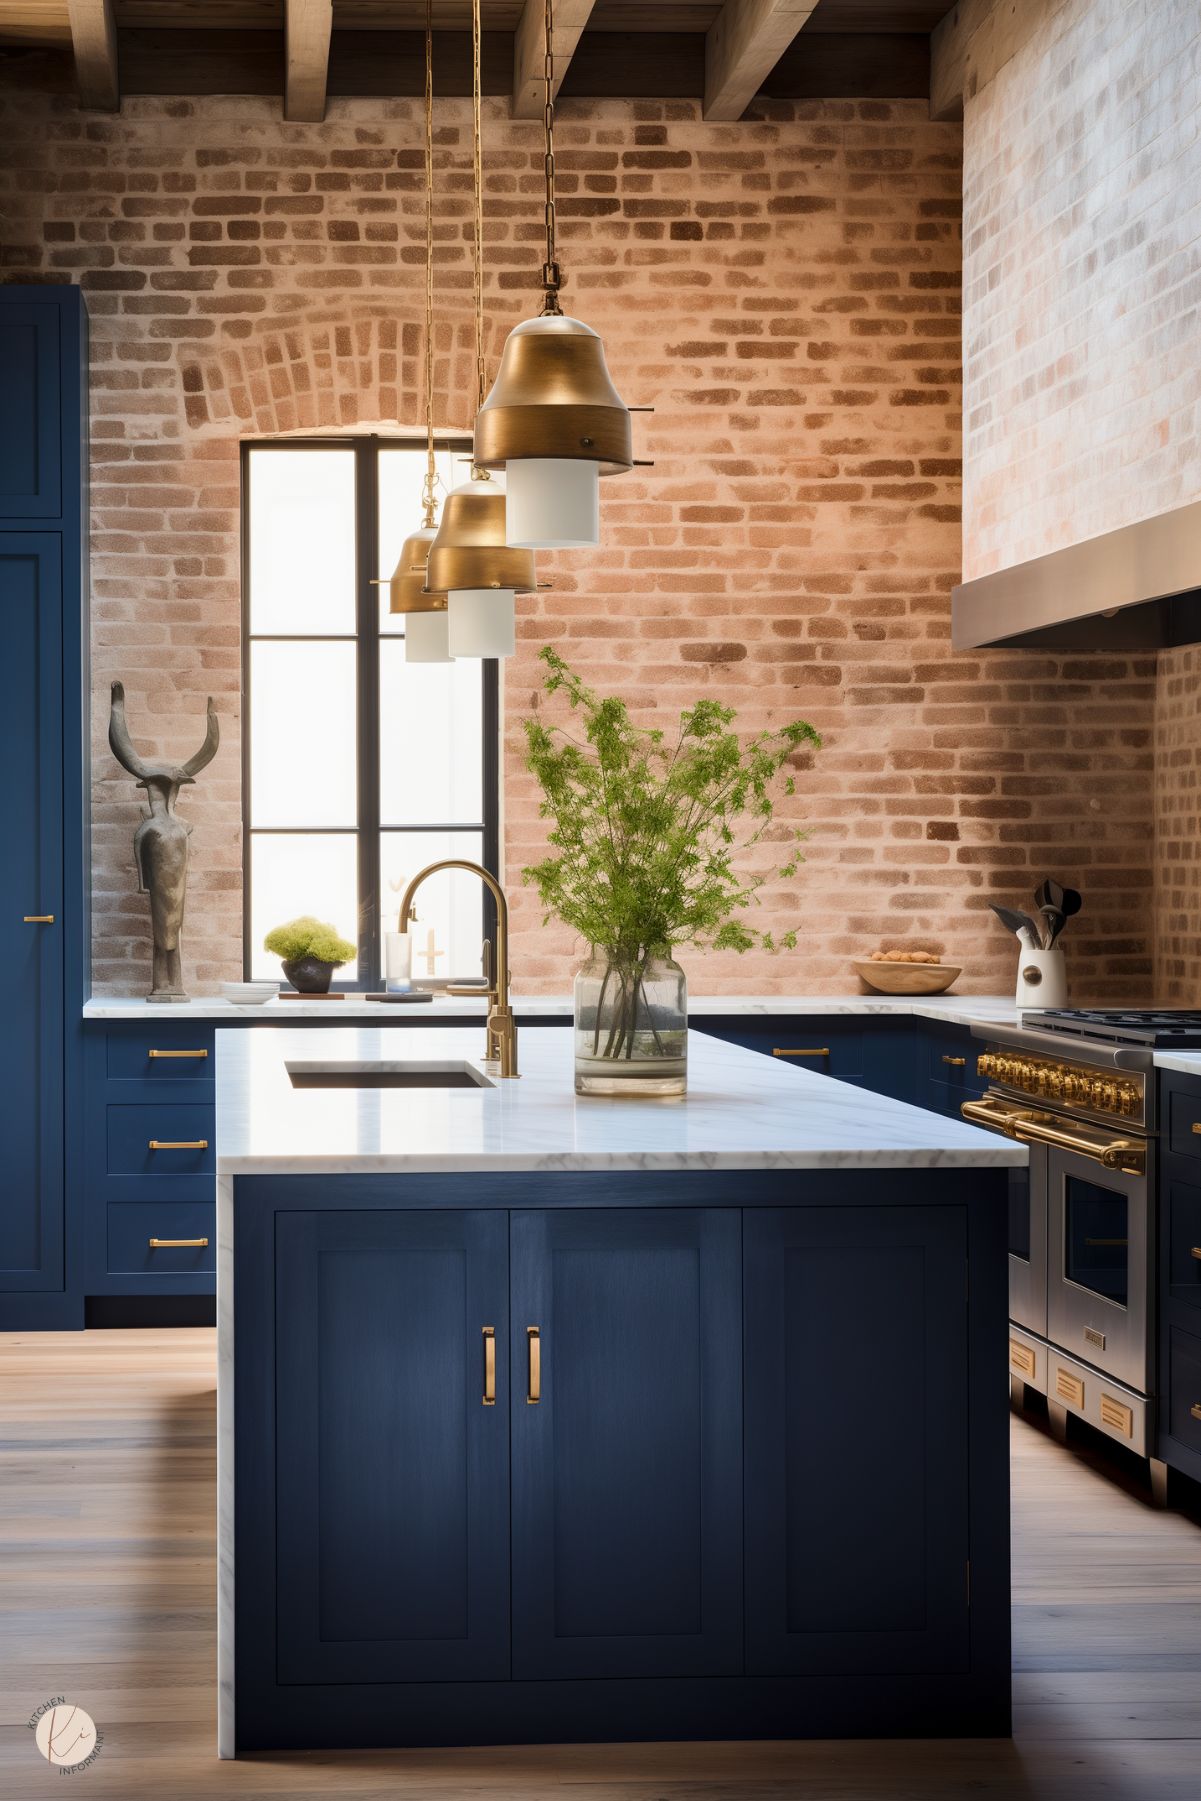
column 742, row 1111
column 989, row 1008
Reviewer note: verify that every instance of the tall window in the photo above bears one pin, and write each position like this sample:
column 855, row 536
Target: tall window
column 358, row 768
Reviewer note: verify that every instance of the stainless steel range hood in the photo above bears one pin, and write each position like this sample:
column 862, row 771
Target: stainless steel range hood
column 1138, row 588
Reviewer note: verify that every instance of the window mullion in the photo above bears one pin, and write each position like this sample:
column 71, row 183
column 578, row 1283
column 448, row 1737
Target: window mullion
column 367, row 554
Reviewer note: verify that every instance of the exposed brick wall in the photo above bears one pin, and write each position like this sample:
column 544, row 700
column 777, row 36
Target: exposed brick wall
column 1178, row 827
column 785, row 292
column 1081, row 216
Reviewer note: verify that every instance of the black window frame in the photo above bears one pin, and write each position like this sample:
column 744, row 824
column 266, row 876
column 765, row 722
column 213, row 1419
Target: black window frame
column 366, row 638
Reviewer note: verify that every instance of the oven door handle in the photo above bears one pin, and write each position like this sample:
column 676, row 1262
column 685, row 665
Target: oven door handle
column 987, row 1113
column 1120, row 1153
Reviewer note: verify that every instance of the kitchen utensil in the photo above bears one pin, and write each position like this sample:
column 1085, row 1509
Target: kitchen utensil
column 1053, row 920
column 907, row 978
column 1057, row 916
column 1017, row 922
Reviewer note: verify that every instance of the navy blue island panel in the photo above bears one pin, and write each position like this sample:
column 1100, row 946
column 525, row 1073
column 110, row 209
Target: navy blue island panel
column 585, row 1456
column 43, row 871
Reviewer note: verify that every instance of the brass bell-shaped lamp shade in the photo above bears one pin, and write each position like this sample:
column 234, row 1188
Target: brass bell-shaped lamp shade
column 478, row 571
column 407, row 592
column 555, row 423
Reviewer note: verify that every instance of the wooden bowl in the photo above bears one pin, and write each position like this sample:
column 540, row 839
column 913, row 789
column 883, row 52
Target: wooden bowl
column 907, row 978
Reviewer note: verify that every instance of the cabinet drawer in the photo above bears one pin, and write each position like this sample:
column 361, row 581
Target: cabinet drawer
column 185, row 1231
column 150, row 1056
column 1183, row 1122
column 811, row 1045
column 1183, row 1206
column 951, row 1058
column 162, row 1139
column 1184, row 1389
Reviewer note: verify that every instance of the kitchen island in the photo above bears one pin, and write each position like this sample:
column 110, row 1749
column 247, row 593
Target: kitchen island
column 548, row 1418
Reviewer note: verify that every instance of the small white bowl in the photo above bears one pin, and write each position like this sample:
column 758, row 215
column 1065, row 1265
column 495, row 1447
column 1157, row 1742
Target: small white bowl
column 249, row 994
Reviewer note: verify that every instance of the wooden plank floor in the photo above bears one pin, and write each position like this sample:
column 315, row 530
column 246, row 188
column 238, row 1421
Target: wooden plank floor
column 106, row 1596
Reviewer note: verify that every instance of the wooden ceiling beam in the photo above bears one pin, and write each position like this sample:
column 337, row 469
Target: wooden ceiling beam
column 972, row 44
column 743, row 46
column 94, row 41
column 529, row 79
column 307, row 27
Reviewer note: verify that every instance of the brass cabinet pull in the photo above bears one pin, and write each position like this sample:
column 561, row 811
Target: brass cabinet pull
column 955, row 1062
column 1195, row 1128
column 489, row 1366
column 37, row 919
column 166, row 1244
column 1195, row 1410
column 821, row 1051
column 177, row 1053
column 1197, row 1252
column 178, row 1144
column 534, row 1390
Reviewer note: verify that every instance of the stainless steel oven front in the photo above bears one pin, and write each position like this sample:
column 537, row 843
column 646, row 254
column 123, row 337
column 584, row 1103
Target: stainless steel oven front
column 1099, row 1230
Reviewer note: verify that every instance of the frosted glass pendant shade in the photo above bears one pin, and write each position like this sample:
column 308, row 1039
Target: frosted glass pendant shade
column 426, row 638
column 482, row 622
column 552, row 503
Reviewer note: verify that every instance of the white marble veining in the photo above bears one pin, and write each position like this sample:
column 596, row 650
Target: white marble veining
column 990, row 1009
column 742, row 1111
column 1186, row 1063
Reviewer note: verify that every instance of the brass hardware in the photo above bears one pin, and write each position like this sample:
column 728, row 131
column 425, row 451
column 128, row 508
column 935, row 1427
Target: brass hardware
column 1118, row 1417
column 1120, row 1154
column 37, row 919
column 1094, row 1338
column 1197, row 1252
column 1195, row 1410
column 177, row 1053
column 489, row 1366
column 1195, row 1128
column 1038, row 1075
column 955, row 1062
column 1068, row 1387
column 178, row 1144
column 1022, row 1357
column 822, row 1051
column 501, row 1038
column 533, row 1339
column 988, row 1113
column 167, row 1244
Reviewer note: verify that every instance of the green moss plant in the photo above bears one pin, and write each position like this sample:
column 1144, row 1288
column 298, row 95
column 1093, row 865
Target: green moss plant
column 309, row 937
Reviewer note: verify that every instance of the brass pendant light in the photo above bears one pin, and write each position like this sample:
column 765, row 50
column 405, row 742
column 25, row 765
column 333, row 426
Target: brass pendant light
column 471, row 560
column 553, row 421
column 425, row 634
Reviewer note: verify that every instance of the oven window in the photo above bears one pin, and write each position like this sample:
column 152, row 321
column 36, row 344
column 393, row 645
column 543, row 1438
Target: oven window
column 1095, row 1240
column 1019, row 1214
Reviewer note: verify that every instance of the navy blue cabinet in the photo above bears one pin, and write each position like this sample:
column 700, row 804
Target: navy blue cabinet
column 856, row 1541
column 43, row 874
column 627, row 1399
column 870, row 1051
column 392, row 1471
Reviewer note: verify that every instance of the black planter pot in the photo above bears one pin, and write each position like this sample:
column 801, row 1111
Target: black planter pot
column 309, row 975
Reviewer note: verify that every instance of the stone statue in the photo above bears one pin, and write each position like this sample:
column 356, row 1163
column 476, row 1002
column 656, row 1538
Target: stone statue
column 160, row 844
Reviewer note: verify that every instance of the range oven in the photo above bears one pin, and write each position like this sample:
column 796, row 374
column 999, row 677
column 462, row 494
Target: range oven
column 1081, row 1221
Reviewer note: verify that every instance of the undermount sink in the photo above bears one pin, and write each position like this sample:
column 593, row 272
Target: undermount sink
column 446, row 1073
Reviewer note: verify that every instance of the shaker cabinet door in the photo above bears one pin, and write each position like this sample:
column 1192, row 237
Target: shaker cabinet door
column 626, row 1387
column 392, row 1459
column 31, row 906
column 856, row 1538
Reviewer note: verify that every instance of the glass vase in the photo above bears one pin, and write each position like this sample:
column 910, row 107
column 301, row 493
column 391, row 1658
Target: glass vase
column 631, row 1026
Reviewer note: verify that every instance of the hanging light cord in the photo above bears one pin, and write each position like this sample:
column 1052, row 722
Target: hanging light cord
column 551, row 276
column 429, row 499
column 477, row 152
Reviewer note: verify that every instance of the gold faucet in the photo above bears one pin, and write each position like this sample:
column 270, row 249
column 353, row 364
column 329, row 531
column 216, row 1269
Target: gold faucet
column 502, row 1027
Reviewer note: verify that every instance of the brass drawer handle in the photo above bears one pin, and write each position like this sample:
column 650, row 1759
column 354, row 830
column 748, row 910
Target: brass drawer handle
column 534, row 1390
column 1197, row 1252
column 822, row 1051
column 1195, row 1128
column 489, row 1366
column 37, row 919
column 956, row 1062
column 177, row 1053
column 169, row 1244
column 1195, row 1410
column 178, row 1144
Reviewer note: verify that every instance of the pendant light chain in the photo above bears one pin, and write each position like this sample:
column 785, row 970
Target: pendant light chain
column 477, row 150
column 429, row 486
column 551, row 276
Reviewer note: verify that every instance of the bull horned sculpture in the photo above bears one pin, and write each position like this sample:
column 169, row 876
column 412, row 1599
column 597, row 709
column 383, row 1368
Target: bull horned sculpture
column 160, row 844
